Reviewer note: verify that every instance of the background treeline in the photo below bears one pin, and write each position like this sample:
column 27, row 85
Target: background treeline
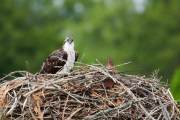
column 148, row 37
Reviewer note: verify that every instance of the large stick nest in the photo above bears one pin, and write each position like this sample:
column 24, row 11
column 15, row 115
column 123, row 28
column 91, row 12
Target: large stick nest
column 89, row 92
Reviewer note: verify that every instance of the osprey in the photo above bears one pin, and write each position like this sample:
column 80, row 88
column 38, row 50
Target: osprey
column 62, row 60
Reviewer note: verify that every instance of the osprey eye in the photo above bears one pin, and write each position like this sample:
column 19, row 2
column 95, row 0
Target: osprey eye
column 69, row 40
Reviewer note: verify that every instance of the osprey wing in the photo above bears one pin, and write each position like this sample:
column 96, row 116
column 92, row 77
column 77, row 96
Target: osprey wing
column 54, row 62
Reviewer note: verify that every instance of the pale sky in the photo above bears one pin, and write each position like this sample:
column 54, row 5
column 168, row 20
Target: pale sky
column 139, row 5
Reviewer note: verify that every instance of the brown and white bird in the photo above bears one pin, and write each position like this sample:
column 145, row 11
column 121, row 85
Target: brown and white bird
column 62, row 60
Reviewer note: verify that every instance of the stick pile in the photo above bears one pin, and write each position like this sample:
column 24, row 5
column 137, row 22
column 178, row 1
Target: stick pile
column 89, row 92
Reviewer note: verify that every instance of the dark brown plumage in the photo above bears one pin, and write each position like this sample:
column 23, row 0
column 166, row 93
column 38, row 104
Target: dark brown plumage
column 54, row 62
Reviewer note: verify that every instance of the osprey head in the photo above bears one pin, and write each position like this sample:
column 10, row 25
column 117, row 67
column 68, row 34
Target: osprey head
column 69, row 43
column 68, row 40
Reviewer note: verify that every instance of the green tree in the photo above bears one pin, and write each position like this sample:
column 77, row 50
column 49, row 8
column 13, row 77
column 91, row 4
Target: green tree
column 30, row 30
column 175, row 84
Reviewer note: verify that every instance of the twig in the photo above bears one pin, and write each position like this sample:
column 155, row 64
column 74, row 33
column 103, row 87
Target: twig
column 10, row 74
column 121, row 107
column 56, row 86
column 65, row 107
column 69, row 118
column 164, row 111
column 14, row 104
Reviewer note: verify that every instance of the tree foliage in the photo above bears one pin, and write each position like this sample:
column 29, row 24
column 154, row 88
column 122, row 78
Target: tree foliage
column 175, row 84
column 30, row 30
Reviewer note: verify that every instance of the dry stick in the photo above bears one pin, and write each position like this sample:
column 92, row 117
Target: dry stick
column 169, row 95
column 68, row 93
column 104, row 72
column 25, row 102
column 10, row 74
column 14, row 104
column 159, row 117
column 130, row 93
column 32, row 114
column 113, row 67
column 153, row 111
column 36, row 89
column 65, row 107
column 69, row 118
column 85, row 98
column 62, row 80
column 135, row 98
column 106, row 99
column 164, row 111
column 172, row 100
column 173, row 111
column 156, row 109
column 127, row 89
column 121, row 108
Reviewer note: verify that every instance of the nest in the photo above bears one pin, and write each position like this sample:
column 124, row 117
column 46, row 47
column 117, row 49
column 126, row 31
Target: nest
column 89, row 92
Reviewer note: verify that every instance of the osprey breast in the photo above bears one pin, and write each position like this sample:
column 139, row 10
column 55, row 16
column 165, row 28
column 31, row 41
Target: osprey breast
column 71, row 56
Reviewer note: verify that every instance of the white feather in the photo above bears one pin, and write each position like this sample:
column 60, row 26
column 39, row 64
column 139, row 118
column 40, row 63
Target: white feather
column 69, row 48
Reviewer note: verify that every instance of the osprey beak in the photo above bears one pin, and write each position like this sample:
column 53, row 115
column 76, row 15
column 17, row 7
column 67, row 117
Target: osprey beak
column 70, row 40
